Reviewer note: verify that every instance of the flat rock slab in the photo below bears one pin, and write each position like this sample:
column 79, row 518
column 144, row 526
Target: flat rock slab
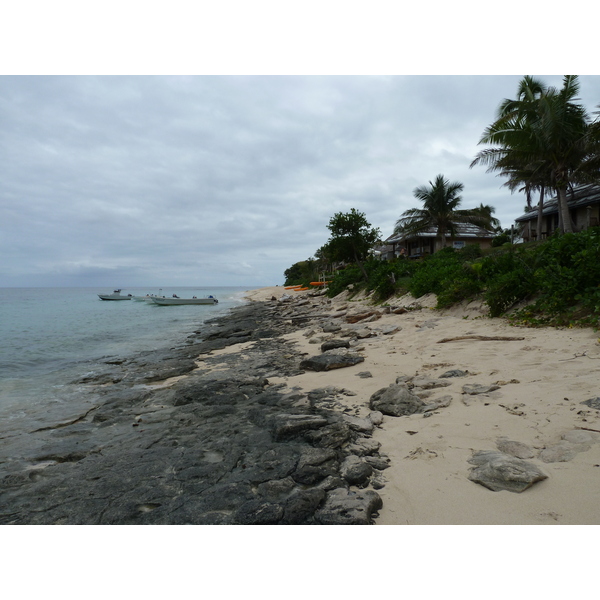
column 475, row 388
column 562, row 452
column 396, row 400
column 344, row 507
column 427, row 383
column 593, row 403
column 578, row 436
column 390, row 329
column 358, row 424
column 499, row 471
column 438, row 403
column 355, row 318
column 328, row 362
column 285, row 426
column 571, row 444
column 454, row 373
column 516, row 449
column 334, row 344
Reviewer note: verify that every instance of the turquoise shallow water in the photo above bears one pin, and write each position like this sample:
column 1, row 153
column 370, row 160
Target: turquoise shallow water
column 51, row 336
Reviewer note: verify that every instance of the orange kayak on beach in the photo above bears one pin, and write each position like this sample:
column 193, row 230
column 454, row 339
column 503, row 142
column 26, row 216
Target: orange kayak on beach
column 319, row 282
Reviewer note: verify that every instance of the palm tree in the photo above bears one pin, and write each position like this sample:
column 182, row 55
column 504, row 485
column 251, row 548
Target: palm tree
column 517, row 149
column 563, row 128
column 440, row 210
column 589, row 170
column 541, row 141
column 486, row 211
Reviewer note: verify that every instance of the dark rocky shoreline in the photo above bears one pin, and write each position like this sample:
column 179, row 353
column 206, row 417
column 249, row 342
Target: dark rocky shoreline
column 219, row 446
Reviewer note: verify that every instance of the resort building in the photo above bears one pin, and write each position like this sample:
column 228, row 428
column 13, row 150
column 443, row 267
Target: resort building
column 584, row 207
column 428, row 242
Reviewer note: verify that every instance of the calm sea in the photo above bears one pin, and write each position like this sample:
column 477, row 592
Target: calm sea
column 53, row 336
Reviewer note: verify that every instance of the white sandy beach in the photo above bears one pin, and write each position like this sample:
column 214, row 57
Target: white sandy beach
column 543, row 379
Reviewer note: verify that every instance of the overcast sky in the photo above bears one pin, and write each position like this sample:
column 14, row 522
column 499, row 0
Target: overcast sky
column 225, row 180
column 230, row 175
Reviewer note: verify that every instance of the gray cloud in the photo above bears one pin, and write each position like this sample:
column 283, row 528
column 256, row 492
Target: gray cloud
column 225, row 180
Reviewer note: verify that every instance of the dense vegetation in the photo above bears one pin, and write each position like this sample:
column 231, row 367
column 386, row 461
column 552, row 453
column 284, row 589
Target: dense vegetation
column 557, row 280
column 352, row 236
column 541, row 141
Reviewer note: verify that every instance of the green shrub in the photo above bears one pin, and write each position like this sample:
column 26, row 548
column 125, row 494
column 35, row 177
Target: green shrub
column 456, row 290
column 434, row 272
column 342, row 279
column 505, row 290
column 568, row 278
column 390, row 277
column 469, row 252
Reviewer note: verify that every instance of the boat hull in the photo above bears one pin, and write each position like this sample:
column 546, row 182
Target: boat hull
column 182, row 301
column 111, row 297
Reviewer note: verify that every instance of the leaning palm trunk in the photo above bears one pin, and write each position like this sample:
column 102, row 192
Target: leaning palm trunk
column 565, row 215
column 540, row 215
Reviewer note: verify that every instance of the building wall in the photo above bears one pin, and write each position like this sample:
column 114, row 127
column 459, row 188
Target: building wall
column 582, row 218
column 426, row 246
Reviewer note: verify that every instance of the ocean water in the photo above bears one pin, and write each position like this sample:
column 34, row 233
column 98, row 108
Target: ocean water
column 53, row 336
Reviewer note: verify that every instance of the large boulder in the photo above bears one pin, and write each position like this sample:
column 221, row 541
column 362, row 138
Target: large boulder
column 315, row 464
column 396, row 400
column 355, row 470
column 498, row 471
column 301, row 505
column 334, row 435
column 344, row 507
column 328, row 362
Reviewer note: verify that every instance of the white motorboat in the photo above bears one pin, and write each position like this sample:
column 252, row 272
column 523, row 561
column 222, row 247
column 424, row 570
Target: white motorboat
column 179, row 301
column 116, row 295
column 147, row 298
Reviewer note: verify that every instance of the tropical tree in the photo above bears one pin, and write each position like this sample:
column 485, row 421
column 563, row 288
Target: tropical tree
column 441, row 199
column 486, row 212
column 542, row 141
column 352, row 236
column 589, row 170
column 563, row 129
column 517, row 145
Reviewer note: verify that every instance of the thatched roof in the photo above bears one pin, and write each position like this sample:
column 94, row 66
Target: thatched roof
column 582, row 196
column 463, row 231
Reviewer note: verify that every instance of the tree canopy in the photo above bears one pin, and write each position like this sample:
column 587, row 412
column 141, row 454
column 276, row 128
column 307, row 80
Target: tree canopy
column 352, row 236
column 543, row 139
column 441, row 199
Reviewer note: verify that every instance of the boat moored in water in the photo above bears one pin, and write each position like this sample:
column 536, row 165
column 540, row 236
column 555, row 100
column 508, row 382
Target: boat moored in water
column 116, row 295
column 179, row 301
column 147, row 298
